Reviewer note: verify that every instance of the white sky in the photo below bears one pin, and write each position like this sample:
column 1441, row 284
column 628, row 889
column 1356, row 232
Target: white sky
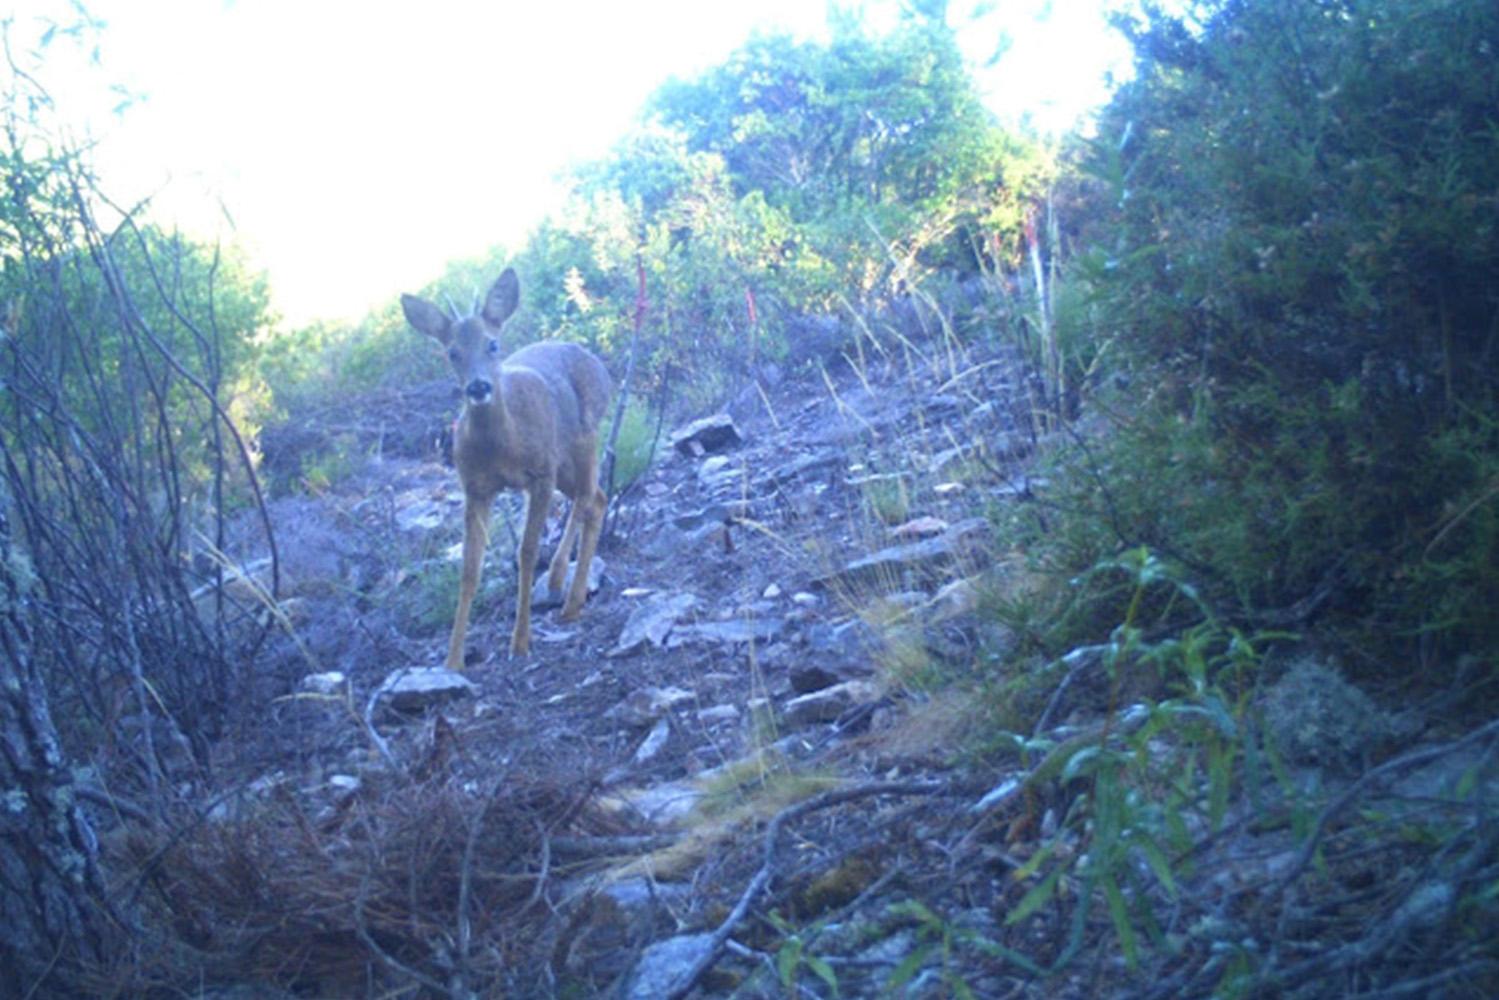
column 358, row 147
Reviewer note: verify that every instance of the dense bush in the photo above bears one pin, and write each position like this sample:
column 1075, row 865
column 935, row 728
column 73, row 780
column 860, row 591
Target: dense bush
column 1300, row 264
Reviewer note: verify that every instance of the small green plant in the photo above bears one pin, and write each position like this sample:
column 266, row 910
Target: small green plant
column 792, row 956
column 325, row 467
column 1132, row 807
column 938, row 939
column 887, row 499
column 635, row 446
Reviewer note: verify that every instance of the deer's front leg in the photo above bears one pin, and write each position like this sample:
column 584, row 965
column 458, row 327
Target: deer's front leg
column 538, row 499
column 475, row 540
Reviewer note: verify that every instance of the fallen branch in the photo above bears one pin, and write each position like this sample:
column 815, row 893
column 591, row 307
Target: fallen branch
column 757, row 884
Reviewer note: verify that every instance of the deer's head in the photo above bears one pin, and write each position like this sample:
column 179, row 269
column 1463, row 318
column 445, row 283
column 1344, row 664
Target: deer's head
column 472, row 342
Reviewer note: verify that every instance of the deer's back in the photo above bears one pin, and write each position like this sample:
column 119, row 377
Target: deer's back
column 578, row 382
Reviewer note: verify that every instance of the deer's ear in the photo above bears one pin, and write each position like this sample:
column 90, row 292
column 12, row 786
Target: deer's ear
column 427, row 318
column 502, row 298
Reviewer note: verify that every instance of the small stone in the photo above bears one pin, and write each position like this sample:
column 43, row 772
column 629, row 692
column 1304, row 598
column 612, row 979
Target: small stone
column 718, row 713
column 645, row 705
column 715, row 433
column 918, row 528
column 330, row 683
column 654, row 743
column 771, row 592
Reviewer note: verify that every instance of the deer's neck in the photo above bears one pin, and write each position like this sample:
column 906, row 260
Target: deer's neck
column 490, row 422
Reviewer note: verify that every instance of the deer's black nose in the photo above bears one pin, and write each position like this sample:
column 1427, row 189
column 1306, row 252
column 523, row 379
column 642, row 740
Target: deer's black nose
column 479, row 389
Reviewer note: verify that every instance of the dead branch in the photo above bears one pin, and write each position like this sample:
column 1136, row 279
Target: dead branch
column 762, row 877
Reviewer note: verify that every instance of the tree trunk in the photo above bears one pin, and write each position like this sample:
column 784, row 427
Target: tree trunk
column 54, row 912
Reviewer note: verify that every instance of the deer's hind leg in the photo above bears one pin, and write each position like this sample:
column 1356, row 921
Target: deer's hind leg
column 538, row 499
column 557, row 571
column 588, row 508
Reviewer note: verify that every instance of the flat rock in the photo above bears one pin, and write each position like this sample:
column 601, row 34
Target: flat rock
column 654, row 743
column 415, row 689
column 710, row 434
column 963, row 543
column 649, row 624
column 645, row 705
column 918, row 528
column 829, row 704
column 807, row 676
column 718, row 713
column 665, row 964
column 726, row 633
column 721, row 512
column 329, row 683
column 664, row 805
column 955, row 599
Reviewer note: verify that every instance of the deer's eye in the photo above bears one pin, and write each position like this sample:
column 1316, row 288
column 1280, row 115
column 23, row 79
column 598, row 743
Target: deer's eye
column 453, row 355
column 494, row 346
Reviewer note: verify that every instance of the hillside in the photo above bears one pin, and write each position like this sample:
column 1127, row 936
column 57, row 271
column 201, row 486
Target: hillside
column 1033, row 567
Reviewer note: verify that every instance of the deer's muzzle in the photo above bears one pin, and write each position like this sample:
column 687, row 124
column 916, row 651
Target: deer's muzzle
column 479, row 390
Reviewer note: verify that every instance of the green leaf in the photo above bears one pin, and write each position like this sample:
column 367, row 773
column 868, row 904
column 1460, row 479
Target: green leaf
column 1156, row 859
column 787, row 959
column 1078, row 761
column 995, row 950
column 1035, row 899
column 1119, row 914
column 909, row 966
column 1035, row 861
column 822, row 970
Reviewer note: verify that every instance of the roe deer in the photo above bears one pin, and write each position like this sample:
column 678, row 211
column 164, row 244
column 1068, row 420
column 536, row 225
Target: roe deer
column 530, row 422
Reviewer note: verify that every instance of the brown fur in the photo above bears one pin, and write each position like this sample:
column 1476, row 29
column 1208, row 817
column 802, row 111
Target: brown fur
column 530, row 422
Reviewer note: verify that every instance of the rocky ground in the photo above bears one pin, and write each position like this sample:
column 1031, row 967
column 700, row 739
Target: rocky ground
column 772, row 598
column 756, row 765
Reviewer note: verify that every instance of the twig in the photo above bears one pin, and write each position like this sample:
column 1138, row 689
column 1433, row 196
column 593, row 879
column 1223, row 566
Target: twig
column 762, row 877
column 1389, row 767
column 389, row 960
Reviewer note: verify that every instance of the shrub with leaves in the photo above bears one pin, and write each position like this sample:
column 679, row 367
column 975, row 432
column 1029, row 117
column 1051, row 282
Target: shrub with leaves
column 1302, row 270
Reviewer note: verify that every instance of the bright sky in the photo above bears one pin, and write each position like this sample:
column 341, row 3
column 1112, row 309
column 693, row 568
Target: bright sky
column 354, row 148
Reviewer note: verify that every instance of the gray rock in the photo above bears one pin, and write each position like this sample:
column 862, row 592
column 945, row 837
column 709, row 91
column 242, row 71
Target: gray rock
column 543, row 600
column 664, row 805
column 665, row 964
column 718, row 713
column 710, row 434
column 954, row 600
column 807, row 676
column 650, row 623
column 645, row 705
column 964, row 544
column 721, row 512
column 653, row 744
column 416, row 689
column 829, row 704
column 726, row 633
column 331, row 682
column 716, row 472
